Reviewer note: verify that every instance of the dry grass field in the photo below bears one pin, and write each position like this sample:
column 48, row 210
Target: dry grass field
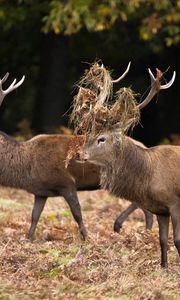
column 59, row 265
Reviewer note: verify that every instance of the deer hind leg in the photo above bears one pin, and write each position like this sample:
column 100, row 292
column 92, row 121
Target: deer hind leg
column 72, row 199
column 163, row 222
column 39, row 203
column 175, row 216
column 123, row 216
column 148, row 219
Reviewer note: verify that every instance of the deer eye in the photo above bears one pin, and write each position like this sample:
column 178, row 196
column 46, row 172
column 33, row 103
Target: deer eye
column 101, row 140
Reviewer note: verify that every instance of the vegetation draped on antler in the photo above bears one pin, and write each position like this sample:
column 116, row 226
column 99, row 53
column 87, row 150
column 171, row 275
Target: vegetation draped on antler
column 91, row 109
column 94, row 87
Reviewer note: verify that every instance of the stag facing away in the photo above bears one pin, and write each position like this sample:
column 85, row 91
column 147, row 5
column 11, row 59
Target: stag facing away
column 149, row 177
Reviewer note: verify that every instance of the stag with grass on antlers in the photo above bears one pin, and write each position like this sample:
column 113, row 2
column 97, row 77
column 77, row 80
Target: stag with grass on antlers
column 149, row 177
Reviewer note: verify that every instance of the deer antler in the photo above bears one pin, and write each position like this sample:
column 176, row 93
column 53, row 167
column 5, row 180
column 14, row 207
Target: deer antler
column 12, row 87
column 103, row 94
column 5, row 77
column 156, row 86
column 123, row 75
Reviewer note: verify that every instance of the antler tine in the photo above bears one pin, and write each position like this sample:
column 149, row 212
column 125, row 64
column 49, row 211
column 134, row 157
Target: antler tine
column 12, row 87
column 123, row 75
column 167, row 85
column 5, row 77
column 156, row 87
column 151, row 76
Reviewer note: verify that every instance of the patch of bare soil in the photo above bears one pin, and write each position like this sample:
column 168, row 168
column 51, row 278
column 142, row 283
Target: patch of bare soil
column 59, row 265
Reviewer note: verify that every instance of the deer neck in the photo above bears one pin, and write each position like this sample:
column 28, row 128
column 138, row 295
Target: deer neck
column 16, row 164
column 127, row 173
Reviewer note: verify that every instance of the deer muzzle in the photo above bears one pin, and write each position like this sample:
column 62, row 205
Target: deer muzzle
column 81, row 156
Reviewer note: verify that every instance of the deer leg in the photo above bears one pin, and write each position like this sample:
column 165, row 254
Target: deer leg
column 72, row 200
column 39, row 203
column 176, row 227
column 148, row 219
column 123, row 216
column 163, row 222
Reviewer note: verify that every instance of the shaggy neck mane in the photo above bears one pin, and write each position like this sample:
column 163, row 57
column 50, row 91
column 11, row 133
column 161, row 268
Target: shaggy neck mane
column 17, row 163
column 127, row 169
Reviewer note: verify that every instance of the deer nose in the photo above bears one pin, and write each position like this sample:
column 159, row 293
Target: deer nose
column 80, row 157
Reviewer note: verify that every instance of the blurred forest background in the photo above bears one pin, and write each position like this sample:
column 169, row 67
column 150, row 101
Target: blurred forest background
column 52, row 41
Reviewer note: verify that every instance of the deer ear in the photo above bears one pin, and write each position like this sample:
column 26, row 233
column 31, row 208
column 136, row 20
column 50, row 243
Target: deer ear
column 123, row 126
column 127, row 125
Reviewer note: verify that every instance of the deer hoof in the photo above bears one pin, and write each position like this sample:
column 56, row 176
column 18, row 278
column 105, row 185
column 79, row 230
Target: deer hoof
column 117, row 227
column 84, row 233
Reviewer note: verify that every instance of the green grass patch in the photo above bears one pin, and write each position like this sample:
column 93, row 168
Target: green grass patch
column 66, row 213
column 12, row 204
column 5, row 292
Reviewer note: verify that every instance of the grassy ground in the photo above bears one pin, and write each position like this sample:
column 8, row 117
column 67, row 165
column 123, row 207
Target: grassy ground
column 58, row 265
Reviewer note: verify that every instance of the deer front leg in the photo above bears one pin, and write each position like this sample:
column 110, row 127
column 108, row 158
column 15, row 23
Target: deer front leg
column 72, row 199
column 163, row 222
column 39, row 203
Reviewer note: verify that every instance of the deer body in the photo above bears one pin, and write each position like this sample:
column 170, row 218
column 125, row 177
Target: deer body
column 149, row 177
column 38, row 166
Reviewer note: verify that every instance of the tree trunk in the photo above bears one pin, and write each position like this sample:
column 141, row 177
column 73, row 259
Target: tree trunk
column 52, row 100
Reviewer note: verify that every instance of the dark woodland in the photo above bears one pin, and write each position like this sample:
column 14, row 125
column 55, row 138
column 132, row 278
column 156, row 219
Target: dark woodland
column 53, row 51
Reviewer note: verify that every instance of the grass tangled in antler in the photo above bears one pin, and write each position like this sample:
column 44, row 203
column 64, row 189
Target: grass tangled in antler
column 124, row 110
column 91, row 111
column 98, row 79
column 94, row 87
column 93, row 118
column 82, row 105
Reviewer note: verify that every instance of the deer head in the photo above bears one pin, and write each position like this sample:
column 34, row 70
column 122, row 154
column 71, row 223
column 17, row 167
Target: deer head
column 101, row 147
